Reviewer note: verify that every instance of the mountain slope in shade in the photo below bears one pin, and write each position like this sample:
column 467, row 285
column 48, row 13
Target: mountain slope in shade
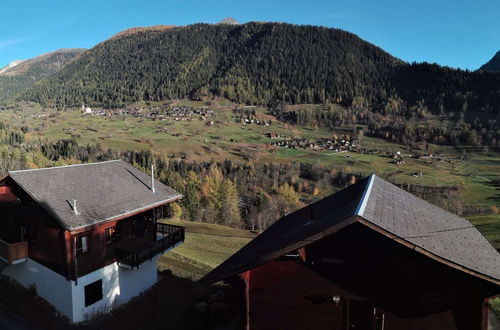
column 493, row 64
column 17, row 76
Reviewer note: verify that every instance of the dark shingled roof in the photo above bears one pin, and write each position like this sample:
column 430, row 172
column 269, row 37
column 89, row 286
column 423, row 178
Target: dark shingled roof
column 430, row 227
column 373, row 200
column 293, row 231
column 102, row 191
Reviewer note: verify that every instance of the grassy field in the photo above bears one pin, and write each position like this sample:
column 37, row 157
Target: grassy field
column 193, row 140
column 205, row 247
column 489, row 226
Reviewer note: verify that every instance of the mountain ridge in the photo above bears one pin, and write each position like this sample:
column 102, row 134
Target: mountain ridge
column 261, row 64
column 492, row 65
column 212, row 60
column 17, row 76
column 24, row 65
column 138, row 29
column 10, row 65
column 229, row 21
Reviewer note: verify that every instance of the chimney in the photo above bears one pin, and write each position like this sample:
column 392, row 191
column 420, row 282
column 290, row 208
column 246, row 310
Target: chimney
column 75, row 211
column 153, row 178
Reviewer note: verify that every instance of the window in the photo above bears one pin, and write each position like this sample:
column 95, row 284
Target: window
column 93, row 293
column 82, row 244
column 109, row 235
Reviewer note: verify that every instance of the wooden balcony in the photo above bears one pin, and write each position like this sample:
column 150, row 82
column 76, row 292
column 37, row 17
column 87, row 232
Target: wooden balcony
column 138, row 251
column 13, row 253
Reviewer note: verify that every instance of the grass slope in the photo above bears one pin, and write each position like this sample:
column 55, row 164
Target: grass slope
column 193, row 140
column 205, row 247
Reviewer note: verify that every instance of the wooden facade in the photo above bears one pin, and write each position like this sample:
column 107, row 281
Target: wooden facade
column 27, row 230
column 360, row 279
column 12, row 253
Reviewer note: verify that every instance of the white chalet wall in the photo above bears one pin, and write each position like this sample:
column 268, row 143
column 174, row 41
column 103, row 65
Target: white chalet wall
column 119, row 285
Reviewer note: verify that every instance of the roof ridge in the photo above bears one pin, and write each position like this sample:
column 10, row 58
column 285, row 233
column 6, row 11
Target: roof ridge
column 71, row 165
column 360, row 209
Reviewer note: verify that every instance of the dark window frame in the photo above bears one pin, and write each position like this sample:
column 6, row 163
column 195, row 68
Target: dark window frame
column 93, row 293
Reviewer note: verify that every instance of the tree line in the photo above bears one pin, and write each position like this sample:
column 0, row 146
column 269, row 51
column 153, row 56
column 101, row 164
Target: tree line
column 236, row 194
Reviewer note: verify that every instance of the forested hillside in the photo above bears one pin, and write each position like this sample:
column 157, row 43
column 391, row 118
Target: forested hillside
column 260, row 63
column 22, row 76
column 253, row 63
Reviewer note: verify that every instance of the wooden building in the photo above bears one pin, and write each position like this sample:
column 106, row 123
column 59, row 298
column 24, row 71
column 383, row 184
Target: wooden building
column 84, row 236
column 371, row 256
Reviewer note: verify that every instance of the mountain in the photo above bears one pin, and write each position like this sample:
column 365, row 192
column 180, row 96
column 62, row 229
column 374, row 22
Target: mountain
column 10, row 66
column 261, row 64
column 229, row 21
column 142, row 29
column 254, row 63
column 493, row 64
column 19, row 75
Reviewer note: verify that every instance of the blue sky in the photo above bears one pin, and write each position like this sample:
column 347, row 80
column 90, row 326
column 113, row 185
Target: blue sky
column 455, row 33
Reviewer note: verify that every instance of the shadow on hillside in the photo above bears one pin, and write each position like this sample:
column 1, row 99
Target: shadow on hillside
column 496, row 197
column 497, row 190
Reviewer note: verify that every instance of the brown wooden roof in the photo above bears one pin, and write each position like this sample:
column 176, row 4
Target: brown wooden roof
column 381, row 206
column 103, row 191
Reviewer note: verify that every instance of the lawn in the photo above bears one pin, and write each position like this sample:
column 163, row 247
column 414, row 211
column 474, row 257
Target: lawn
column 205, row 247
column 489, row 226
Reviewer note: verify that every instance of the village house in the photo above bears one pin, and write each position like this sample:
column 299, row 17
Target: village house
column 86, row 110
column 371, row 256
column 85, row 237
column 318, row 144
column 273, row 135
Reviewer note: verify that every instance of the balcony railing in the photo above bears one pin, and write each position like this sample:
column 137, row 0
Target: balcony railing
column 13, row 253
column 168, row 236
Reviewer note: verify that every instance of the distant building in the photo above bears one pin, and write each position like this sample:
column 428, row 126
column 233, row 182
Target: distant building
column 371, row 256
column 86, row 110
column 84, row 236
column 273, row 135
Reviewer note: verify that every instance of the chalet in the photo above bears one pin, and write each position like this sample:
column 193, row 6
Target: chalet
column 371, row 256
column 85, row 237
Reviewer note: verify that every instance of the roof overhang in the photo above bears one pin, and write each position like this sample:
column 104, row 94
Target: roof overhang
column 123, row 216
column 425, row 252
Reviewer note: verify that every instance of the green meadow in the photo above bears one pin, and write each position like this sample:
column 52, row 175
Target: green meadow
column 193, row 140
